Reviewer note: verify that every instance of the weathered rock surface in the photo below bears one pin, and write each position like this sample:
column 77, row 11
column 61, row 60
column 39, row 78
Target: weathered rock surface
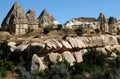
column 103, row 23
column 68, row 57
column 78, row 56
column 15, row 15
column 14, row 19
column 36, row 64
column 83, row 22
column 71, row 49
column 12, row 46
column 54, row 57
column 18, row 23
column 113, row 23
column 46, row 19
column 32, row 20
column 70, row 43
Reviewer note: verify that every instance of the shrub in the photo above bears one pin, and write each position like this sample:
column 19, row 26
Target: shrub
column 109, row 73
column 59, row 27
column 47, row 29
column 58, row 71
column 97, row 30
column 93, row 57
column 24, row 74
column 5, row 63
column 79, row 77
column 4, row 50
column 2, row 71
column 115, row 63
column 81, row 67
column 79, row 31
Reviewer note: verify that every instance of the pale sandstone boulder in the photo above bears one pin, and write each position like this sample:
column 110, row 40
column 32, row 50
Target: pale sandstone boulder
column 66, row 44
column 78, row 56
column 55, row 43
column 48, row 46
column 72, row 42
column 54, row 57
column 100, row 41
column 79, row 45
column 109, row 39
column 83, row 51
column 22, row 47
column 36, row 64
column 109, row 48
column 12, row 46
column 117, row 47
column 103, row 50
column 114, row 55
column 68, row 57
column 81, row 42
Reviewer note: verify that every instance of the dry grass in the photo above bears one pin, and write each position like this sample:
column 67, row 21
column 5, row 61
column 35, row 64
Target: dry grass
column 5, row 35
column 10, row 75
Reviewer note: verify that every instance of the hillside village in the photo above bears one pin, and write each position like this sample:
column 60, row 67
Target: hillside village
column 37, row 42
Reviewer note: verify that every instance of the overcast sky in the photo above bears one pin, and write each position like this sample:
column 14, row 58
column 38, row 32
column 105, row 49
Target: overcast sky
column 64, row 10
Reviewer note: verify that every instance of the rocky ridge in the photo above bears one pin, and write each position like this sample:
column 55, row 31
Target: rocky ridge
column 70, row 49
column 18, row 23
column 105, row 25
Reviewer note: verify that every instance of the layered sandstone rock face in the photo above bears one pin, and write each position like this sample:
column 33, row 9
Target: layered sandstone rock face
column 46, row 19
column 71, row 49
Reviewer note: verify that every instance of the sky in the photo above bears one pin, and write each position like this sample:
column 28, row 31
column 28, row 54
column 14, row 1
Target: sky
column 64, row 10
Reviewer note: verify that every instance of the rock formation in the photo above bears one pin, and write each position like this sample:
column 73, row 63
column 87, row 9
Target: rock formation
column 112, row 24
column 18, row 23
column 15, row 21
column 46, row 19
column 86, row 22
column 103, row 23
column 32, row 20
column 72, row 49
column 37, row 64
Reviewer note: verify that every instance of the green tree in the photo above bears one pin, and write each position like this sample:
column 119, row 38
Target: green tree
column 79, row 31
column 47, row 29
column 58, row 71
